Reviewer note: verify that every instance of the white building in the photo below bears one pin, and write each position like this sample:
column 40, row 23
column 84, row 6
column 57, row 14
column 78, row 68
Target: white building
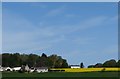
column 16, row 68
column 25, row 68
column 1, row 68
column 7, row 69
column 75, row 66
column 32, row 69
column 41, row 69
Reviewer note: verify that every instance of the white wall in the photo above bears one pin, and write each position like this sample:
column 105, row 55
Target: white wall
column 75, row 67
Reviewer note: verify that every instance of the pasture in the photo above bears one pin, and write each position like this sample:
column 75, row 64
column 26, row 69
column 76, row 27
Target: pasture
column 85, row 73
column 61, row 74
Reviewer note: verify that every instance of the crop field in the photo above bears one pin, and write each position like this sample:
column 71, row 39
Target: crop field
column 87, row 69
column 85, row 73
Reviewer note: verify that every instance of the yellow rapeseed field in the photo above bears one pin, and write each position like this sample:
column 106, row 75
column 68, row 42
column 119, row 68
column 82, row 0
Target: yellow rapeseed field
column 86, row 69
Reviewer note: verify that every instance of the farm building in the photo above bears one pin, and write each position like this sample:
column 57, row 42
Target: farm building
column 32, row 69
column 25, row 68
column 16, row 68
column 41, row 69
column 75, row 66
column 1, row 68
column 7, row 69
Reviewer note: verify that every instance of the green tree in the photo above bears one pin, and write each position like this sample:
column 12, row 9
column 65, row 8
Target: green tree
column 91, row 66
column 118, row 63
column 31, row 61
column 98, row 65
column 17, row 59
column 81, row 65
column 59, row 62
column 54, row 59
column 24, row 58
column 0, row 59
column 110, row 63
column 44, row 55
column 6, row 59
column 64, row 64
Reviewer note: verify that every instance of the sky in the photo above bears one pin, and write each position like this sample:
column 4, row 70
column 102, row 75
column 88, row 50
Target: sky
column 0, row 27
column 60, row 0
column 79, row 32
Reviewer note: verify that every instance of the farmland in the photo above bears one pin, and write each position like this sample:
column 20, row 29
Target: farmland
column 87, row 69
column 61, row 74
column 109, row 73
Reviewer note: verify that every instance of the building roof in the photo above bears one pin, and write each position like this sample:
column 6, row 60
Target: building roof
column 74, row 65
column 41, row 67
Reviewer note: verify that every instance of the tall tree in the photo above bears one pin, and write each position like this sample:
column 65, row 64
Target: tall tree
column 54, row 59
column 31, row 61
column 81, row 65
column 44, row 55
column 64, row 64
column 17, row 59
column 59, row 62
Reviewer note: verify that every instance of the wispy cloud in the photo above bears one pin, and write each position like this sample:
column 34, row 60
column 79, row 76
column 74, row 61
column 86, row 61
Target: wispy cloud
column 23, row 35
column 86, row 24
column 57, row 30
column 27, row 36
column 56, row 11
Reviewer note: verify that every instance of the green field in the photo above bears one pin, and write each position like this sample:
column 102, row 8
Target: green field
column 61, row 74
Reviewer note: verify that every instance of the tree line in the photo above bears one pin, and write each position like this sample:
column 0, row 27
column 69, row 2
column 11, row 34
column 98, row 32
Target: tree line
column 109, row 63
column 52, row 61
column 33, row 60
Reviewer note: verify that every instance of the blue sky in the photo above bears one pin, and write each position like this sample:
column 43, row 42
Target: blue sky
column 79, row 32
column 60, row 0
column 0, row 27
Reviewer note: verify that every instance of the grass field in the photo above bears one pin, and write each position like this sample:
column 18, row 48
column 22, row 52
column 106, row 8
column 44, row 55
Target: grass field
column 61, row 74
